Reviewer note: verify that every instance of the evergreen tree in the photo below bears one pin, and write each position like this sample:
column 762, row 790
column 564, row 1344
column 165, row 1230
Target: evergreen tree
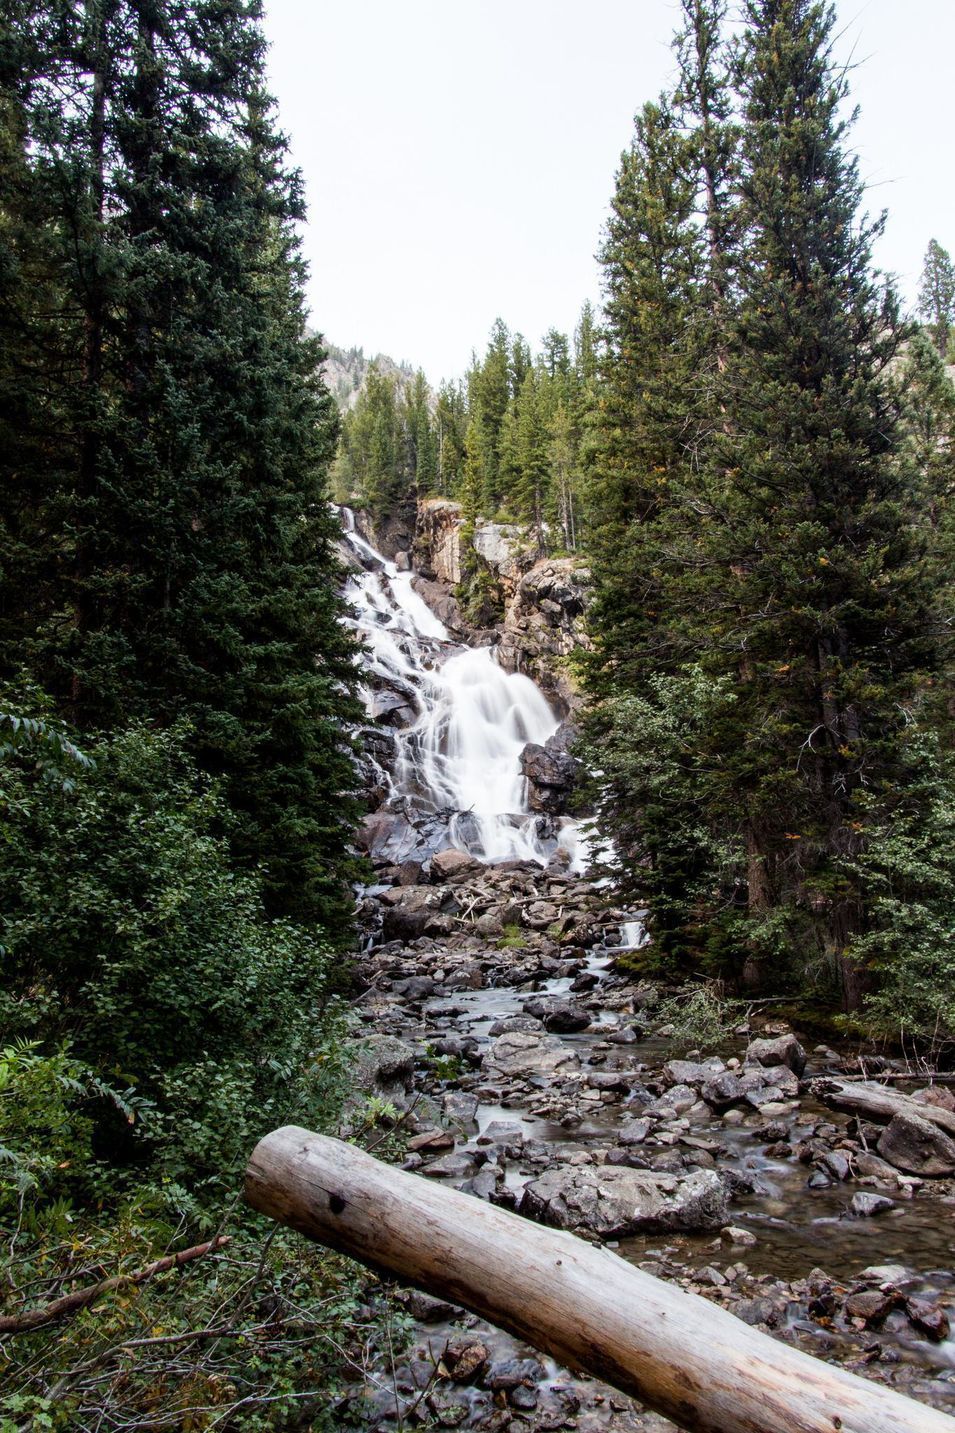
column 194, row 563
column 937, row 295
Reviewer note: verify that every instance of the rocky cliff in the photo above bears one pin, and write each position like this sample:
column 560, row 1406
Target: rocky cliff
column 539, row 602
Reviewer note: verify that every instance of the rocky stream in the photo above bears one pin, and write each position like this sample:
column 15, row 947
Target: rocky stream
column 525, row 1066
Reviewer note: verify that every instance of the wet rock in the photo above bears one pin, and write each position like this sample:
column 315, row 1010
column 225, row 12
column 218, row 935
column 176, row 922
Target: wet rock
column 784, row 1050
column 929, row 1318
column 730, row 1089
column 511, row 1373
column 464, row 1358
column 837, row 1164
column 614, row 1200
column 518, row 1053
column 551, row 772
column 675, row 1101
column 865, row 1205
column 561, row 1016
column 634, row 1133
column 871, row 1306
column 524, row 1023
column 914, row 1145
column 459, row 1108
column 758, row 1311
column 741, row 1238
column 453, row 1166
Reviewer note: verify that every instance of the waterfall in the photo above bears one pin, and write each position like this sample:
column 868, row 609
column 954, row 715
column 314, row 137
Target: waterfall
column 461, row 723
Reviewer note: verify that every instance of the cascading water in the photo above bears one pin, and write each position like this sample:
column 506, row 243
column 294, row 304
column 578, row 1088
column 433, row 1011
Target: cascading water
column 462, row 723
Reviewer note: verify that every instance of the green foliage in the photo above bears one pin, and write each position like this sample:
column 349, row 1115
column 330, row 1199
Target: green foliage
column 698, row 1017
column 165, row 544
column 761, row 536
column 127, row 931
column 907, row 870
column 937, row 295
column 514, row 938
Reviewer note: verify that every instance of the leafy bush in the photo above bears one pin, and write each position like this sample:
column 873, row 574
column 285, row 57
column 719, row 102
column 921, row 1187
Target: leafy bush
column 127, row 932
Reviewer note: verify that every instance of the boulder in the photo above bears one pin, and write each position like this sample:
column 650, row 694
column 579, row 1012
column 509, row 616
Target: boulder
column 729, row 1089
column 864, row 1205
column 692, row 1072
column 615, row 1200
column 917, row 1147
column 452, row 864
column 784, row 1050
column 550, row 774
column 562, row 1016
column 524, row 1054
column 383, row 1066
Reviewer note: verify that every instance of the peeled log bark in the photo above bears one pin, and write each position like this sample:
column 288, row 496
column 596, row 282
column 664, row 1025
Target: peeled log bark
column 876, row 1102
column 678, row 1353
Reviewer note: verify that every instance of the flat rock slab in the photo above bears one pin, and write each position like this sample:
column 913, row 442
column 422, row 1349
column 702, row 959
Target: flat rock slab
column 615, row 1200
column 524, row 1053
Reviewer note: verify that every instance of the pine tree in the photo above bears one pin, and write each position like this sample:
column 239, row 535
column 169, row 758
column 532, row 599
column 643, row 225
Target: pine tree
column 644, row 422
column 937, row 295
column 195, row 570
column 814, row 600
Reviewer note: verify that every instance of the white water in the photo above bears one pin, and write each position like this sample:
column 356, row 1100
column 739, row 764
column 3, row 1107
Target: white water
column 459, row 755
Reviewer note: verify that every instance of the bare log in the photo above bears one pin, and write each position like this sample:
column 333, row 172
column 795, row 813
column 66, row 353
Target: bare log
column 678, row 1353
column 876, row 1102
column 81, row 1298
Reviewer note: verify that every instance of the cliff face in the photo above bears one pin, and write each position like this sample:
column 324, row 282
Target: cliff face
column 543, row 599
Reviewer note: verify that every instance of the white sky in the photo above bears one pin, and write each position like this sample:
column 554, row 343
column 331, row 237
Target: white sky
column 459, row 155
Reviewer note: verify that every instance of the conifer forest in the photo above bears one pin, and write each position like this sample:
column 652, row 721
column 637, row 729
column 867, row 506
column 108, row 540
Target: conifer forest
column 539, row 779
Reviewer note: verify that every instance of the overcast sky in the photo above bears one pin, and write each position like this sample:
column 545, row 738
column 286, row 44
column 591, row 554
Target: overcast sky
column 459, row 155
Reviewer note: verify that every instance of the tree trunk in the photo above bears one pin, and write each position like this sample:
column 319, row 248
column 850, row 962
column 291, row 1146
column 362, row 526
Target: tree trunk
column 680, row 1354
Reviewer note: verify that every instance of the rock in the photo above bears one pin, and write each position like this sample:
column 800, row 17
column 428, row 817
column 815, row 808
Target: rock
column 692, row 1072
column 732, row 1234
column 837, row 1164
column 550, row 774
column 675, row 1101
column 912, row 1144
column 450, row 864
column 937, row 1095
column 384, row 1066
column 511, row 1373
column 730, row 1089
column 634, row 1133
column 784, row 1050
column 431, row 1141
column 928, row 1318
column 871, row 1306
column 562, row 1016
column 459, row 1108
column 464, row 1358
column 517, row 1053
column 614, row 1200
column 524, row 1023
column 865, row 1205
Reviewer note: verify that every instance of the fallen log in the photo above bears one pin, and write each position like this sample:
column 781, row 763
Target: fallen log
column 876, row 1102
column 681, row 1355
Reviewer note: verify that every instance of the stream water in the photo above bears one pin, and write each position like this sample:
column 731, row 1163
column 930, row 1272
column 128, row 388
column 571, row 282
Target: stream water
column 450, row 776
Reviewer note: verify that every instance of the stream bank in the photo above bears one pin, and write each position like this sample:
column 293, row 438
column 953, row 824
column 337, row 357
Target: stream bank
column 525, row 1067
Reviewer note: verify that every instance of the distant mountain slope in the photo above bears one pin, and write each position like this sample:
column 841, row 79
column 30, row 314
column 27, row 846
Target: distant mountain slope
column 344, row 371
